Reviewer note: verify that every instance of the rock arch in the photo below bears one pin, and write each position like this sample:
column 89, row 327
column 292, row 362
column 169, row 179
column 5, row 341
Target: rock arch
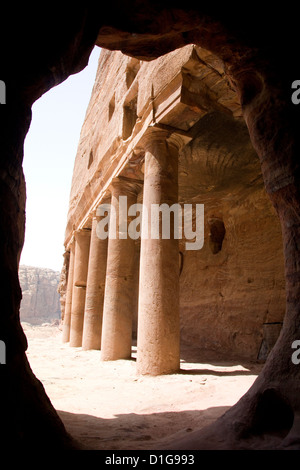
column 58, row 45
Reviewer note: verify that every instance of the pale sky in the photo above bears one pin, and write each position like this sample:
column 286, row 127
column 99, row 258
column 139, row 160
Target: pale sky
column 49, row 154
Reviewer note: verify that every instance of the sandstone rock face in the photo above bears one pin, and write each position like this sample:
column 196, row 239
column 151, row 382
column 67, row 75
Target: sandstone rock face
column 226, row 298
column 250, row 46
column 234, row 285
column 40, row 299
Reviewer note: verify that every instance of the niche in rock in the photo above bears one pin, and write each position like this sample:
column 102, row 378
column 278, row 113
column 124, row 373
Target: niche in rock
column 216, row 234
column 129, row 118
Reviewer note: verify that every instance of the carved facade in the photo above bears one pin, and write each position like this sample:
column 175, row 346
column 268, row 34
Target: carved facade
column 171, row 131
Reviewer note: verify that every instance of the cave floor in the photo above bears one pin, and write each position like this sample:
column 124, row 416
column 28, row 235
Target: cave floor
column 106, row 405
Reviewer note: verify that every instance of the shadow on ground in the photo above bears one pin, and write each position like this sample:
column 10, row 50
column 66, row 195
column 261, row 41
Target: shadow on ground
column 214, row 358
column 136, row 431
column 220, row 373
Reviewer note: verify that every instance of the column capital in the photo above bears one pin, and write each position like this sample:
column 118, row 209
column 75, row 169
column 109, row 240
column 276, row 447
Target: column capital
column 71, row 245
column 124, row 186
column 104, row 200
column 158, row 133
column 178, row 140
column 82, row 231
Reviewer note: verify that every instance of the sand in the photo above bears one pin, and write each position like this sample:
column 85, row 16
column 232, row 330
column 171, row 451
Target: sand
column 106, row 405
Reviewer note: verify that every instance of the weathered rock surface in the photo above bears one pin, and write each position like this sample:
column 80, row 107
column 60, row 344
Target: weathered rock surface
column 40, row 299
column 260, row 58
column 234, row 285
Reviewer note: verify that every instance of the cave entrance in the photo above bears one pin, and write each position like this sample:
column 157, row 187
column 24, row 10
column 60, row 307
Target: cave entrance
column 219, row 169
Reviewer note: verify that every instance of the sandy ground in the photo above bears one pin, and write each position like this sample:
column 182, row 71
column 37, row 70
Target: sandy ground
column 105, row 405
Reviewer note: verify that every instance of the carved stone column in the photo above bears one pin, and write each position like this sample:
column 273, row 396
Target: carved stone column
column 92, row 326
column 119, row 301
column 82, row 246
column 158, row 340
column 68, row 304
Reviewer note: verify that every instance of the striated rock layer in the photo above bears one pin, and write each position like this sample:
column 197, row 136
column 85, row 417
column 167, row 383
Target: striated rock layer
column 40, row 298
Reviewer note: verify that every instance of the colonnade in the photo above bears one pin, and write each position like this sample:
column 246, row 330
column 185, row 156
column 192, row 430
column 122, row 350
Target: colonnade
column 100, row 296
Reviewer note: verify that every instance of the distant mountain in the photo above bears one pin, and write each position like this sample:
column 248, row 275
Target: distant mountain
column 41, row 301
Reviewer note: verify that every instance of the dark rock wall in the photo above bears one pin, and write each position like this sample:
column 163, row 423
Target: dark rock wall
column 39, row 49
